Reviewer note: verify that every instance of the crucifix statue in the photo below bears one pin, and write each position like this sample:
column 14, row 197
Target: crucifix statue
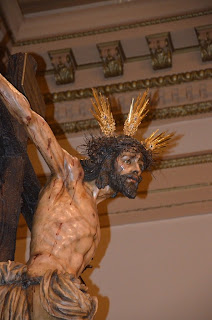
column 66, row 230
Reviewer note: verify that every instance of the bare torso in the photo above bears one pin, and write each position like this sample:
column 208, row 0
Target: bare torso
column 66, row 229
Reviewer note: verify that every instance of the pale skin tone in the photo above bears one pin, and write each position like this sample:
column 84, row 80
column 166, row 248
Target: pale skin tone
column 66, row 229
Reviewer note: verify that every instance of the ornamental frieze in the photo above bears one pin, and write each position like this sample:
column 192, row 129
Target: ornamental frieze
column 154, row 114
column 156, row 82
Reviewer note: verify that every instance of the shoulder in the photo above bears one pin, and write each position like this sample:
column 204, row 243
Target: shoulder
column 72, row 167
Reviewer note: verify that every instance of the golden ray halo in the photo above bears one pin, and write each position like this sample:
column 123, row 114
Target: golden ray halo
column 138, row 110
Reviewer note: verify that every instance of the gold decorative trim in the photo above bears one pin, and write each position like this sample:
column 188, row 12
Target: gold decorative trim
column 166, row 164
column 172, row 205
column 157, row 114
column 116, row 28
column 186, row 161
column 180, row 111
column 182, row 187
column 135, row 85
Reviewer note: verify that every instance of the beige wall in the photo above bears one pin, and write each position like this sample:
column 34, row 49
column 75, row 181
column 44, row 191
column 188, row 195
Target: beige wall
column 155, row 271
column 158, row 270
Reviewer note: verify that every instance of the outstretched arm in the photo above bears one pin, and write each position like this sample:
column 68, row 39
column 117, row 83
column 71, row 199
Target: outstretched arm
column 36, row 127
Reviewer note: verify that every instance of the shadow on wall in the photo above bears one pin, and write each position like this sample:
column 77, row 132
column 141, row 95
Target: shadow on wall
column 22, row 242
column 93, row 289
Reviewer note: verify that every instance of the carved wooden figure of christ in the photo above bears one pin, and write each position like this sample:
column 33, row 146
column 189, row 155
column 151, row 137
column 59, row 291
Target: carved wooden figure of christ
column 66, row 230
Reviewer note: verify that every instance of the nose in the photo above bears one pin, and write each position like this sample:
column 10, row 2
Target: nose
column 137, row 169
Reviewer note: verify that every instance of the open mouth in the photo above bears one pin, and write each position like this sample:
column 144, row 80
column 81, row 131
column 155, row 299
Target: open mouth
column 132, row 179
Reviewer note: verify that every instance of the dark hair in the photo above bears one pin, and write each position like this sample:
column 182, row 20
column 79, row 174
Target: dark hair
column 102, row 151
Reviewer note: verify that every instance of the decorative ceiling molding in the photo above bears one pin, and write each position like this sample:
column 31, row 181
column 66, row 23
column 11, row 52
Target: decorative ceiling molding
column 112, row 56
column 185, row 161
column 156, row 114
column 131, row 59
column 161, row 48
column 93, row 32
column 204, row 36
column 156, row 82
column 64, row 64
column 142, row 209
column 126, row 60
column 183, row 187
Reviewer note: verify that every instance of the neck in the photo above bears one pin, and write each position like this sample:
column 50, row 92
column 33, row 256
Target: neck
column 98, row 194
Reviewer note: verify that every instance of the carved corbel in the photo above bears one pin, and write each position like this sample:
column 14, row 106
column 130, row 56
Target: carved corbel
column 64, row 65
column 160, row 46
column 204, row 36
column 112, row 56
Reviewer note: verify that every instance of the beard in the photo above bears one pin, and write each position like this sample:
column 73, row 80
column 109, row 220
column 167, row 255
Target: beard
column 120, row 183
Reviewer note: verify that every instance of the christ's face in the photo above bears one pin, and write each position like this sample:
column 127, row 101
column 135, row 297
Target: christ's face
column 128, row 168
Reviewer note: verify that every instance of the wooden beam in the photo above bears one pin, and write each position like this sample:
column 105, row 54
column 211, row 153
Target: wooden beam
column 30, row 85
column 19, row 186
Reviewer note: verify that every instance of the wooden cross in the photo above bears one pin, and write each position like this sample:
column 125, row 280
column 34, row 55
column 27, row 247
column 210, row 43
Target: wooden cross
column 19, row 185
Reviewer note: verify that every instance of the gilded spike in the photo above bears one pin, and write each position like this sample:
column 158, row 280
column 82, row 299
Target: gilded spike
column 137, row 112
column 156, row 143
column 103, row 114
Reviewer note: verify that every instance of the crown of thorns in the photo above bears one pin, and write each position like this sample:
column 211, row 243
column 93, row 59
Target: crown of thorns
column 138, row 110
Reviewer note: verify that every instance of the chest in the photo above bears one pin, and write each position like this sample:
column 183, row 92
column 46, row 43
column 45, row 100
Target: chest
column 60, row 204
